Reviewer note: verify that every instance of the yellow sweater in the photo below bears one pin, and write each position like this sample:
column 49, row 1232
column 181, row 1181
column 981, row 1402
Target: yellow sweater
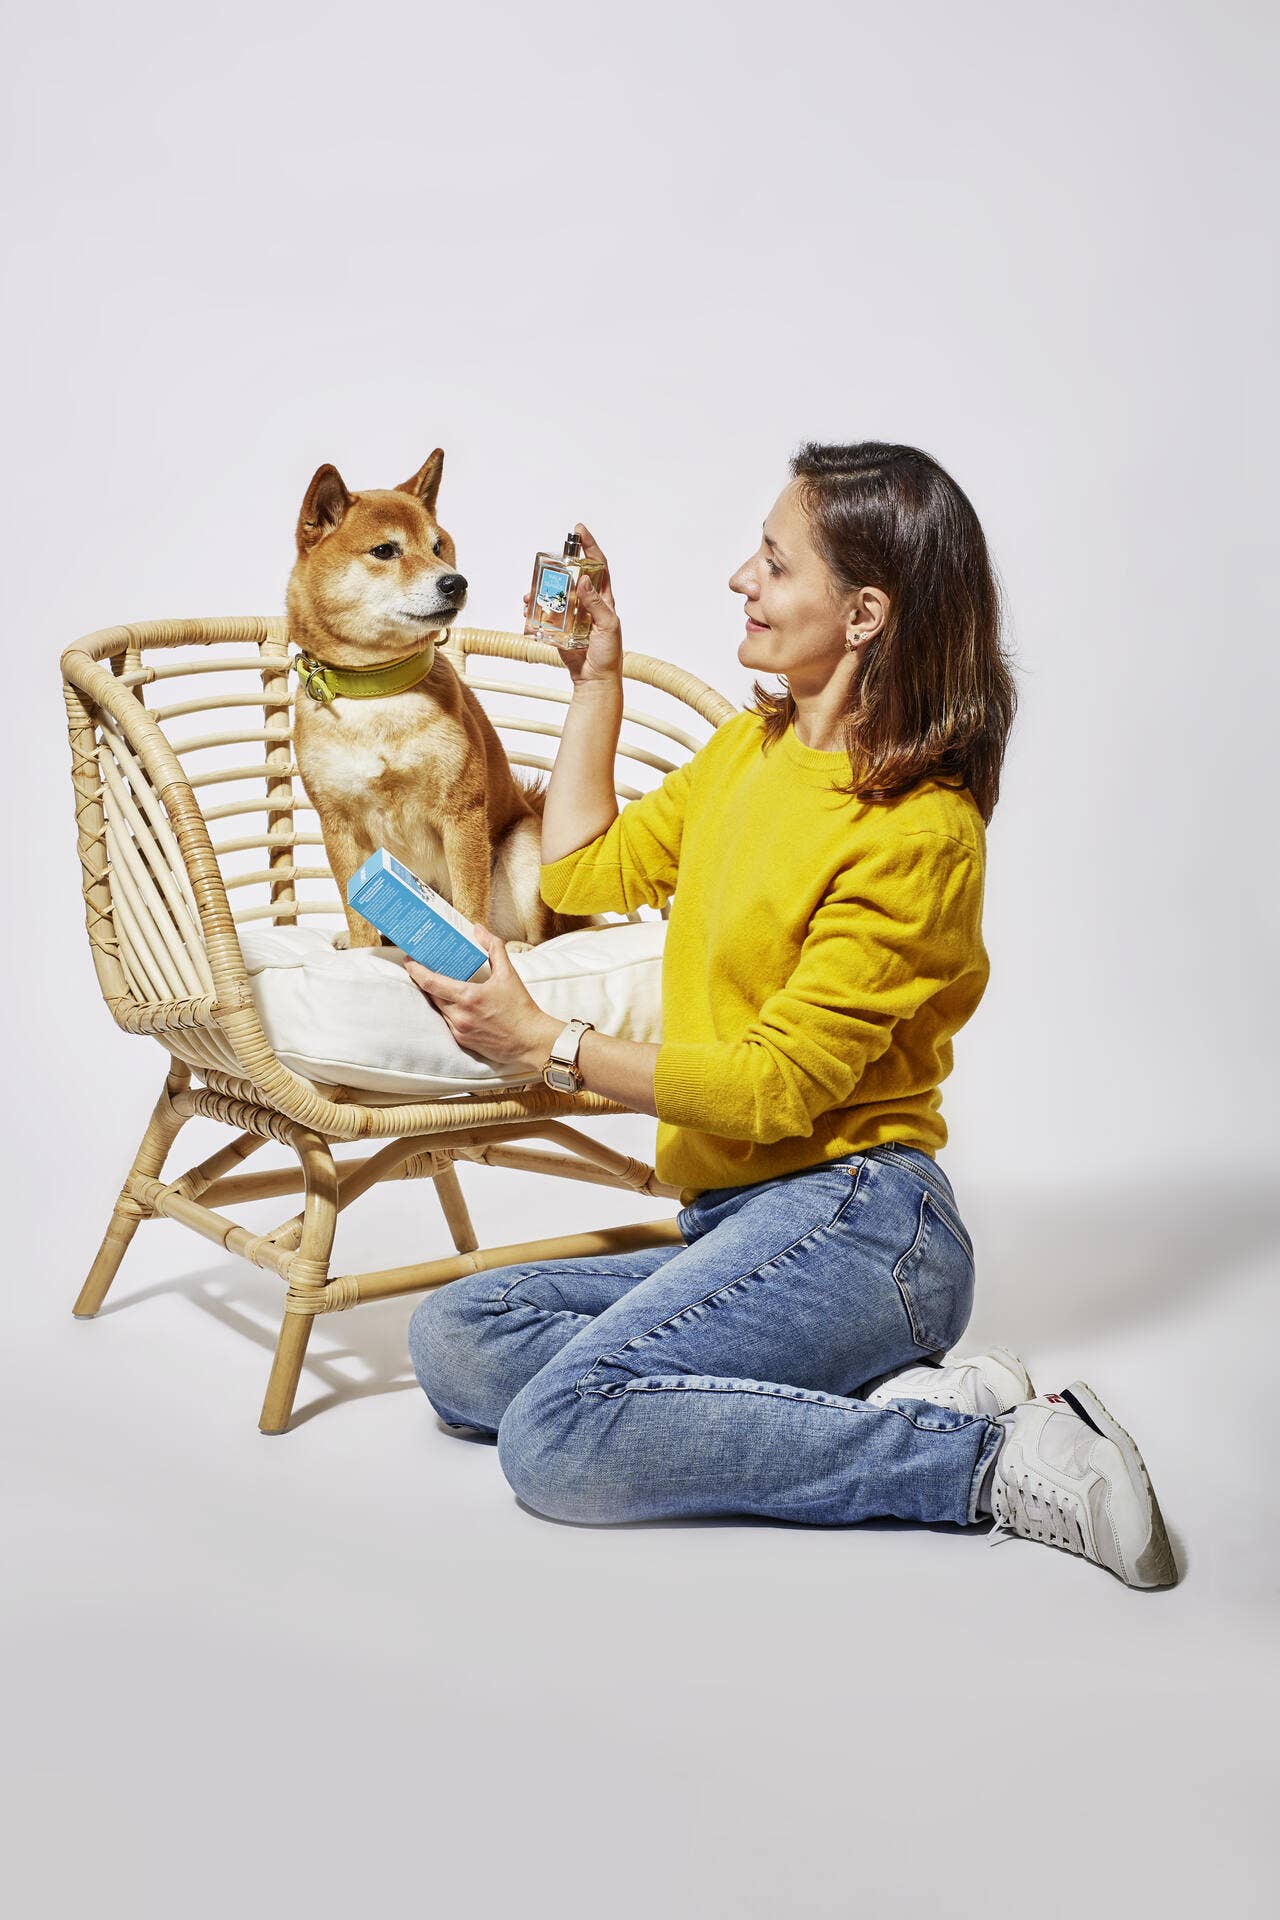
column 820, row 953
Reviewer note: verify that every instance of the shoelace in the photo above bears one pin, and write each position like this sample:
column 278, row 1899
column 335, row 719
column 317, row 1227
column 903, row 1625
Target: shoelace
column 1044, row 1508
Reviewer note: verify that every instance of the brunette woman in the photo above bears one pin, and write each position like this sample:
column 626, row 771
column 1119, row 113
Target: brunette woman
column 824, row 854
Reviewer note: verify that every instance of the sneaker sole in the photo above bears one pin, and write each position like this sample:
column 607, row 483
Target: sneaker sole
column 1155, row 1565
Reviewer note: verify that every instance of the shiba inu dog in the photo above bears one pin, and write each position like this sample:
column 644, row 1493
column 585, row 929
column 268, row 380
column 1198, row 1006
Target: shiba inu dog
column 393, row 748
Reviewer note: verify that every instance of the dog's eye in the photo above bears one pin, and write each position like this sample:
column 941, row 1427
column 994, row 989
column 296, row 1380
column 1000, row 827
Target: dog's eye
column 385, row 550
column 435, row 548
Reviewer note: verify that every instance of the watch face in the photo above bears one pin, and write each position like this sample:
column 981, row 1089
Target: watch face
column 560, row 1078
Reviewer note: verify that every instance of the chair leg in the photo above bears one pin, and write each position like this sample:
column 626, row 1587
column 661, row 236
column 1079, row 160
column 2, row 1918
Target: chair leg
column 320, row 1219
column 319, row 1225
column 286, row 1372
column 163, row 1130
column 454, row 1207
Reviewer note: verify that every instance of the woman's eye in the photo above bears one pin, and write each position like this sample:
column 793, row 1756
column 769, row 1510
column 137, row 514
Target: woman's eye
column 771, row 567
column 385, row 550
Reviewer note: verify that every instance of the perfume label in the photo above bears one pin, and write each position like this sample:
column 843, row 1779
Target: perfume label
column 415, row 917
column 552, row 601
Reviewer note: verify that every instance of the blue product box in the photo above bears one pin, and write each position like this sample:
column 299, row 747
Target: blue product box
column 417, row 918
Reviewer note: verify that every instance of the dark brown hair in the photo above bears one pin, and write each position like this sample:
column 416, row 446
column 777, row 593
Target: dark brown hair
column 935, row 697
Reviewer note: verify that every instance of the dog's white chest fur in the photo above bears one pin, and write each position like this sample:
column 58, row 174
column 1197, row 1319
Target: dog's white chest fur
column 387, row 769
column 344, row 761
column 360, row 768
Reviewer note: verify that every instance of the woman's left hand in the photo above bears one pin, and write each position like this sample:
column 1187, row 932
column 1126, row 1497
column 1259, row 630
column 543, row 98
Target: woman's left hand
column 497, row 1018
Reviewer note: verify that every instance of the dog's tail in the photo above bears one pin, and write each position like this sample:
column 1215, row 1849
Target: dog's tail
column 533, row 787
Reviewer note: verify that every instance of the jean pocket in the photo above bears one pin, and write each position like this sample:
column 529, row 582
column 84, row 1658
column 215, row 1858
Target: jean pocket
column 935, row 1277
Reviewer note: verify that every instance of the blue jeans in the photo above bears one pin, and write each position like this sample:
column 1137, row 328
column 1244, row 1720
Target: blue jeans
column 722, row 1377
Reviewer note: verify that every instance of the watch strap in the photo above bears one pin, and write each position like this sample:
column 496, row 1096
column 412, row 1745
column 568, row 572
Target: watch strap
column 564, row 1051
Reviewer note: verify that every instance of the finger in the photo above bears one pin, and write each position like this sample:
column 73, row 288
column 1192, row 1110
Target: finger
column 436, row 984
column 496, row 949
column 604, row 614
column 593, row 550
column 590, row 545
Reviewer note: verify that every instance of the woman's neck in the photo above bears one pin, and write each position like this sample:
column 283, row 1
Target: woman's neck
column 821, row 721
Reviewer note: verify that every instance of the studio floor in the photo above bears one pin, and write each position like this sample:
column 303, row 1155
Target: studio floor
column 346, row 1666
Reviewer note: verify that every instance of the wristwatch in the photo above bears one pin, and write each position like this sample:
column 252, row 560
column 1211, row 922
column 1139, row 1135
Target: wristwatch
column 561, row 1071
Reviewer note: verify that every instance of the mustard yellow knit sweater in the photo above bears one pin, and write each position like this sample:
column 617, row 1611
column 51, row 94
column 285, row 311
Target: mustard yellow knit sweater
column 820, row 953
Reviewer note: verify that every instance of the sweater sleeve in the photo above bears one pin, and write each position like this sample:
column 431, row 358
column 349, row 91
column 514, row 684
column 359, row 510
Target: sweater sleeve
column 633, row 862
column 896, row 928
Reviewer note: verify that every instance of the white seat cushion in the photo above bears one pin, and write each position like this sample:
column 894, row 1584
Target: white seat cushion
column 357, row 1020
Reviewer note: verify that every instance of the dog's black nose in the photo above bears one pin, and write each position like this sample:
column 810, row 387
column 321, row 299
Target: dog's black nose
column 452, row 585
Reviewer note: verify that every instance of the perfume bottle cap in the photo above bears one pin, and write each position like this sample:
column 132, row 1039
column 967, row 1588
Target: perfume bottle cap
column 572, row 546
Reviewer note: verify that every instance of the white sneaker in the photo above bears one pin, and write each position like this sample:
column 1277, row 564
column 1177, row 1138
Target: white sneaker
column 989, row 1383
column 1068, row 1474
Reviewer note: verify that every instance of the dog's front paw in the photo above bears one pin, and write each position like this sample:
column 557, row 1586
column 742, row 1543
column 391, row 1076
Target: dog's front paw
column 344, row 943
column 519, row 946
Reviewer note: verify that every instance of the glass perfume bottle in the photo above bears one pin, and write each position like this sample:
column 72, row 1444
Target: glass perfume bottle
column 554, row 613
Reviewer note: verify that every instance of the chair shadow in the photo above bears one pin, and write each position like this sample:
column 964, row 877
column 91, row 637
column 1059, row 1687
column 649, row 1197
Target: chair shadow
column 1049, row 1267
column 247, row 1301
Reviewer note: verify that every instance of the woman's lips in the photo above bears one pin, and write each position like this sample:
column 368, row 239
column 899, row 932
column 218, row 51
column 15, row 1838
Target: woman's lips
column 755, row 626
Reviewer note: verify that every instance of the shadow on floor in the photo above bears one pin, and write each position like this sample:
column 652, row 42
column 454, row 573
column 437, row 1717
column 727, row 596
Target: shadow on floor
column 1050, row 1266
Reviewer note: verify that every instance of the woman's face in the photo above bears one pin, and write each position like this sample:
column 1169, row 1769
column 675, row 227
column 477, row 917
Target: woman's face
column 797, row 619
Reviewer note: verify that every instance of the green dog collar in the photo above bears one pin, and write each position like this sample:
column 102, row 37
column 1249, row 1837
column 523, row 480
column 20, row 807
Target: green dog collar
column 324, row 681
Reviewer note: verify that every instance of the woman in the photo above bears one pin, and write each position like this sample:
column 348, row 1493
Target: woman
column 822, row 950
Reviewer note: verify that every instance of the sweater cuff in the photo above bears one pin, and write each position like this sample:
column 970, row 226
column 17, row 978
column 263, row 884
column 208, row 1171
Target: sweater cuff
column 684, row 1076
column 554, row 876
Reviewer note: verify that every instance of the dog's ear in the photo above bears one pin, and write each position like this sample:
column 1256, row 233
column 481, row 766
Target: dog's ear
column 324, row 508
column 426, row 481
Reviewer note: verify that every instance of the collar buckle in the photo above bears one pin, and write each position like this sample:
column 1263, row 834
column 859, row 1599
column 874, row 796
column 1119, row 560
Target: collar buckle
column 312, row 674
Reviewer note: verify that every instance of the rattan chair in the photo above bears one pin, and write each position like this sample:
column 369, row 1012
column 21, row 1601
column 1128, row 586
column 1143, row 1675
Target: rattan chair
column 158, row 890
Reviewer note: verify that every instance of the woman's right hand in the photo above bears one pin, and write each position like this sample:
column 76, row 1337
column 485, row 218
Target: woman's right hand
column 601, row 658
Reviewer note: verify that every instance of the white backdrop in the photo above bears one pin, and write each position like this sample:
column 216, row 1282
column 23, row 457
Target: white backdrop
column 619, row 262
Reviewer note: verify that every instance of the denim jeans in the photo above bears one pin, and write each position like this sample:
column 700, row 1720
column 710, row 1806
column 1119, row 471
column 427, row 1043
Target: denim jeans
column 723, row 1376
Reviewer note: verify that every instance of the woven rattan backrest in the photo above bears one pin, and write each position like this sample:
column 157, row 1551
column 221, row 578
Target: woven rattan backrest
column 231, row 728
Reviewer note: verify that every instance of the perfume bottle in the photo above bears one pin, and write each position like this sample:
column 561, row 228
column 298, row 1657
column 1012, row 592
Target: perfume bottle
column 554, row 613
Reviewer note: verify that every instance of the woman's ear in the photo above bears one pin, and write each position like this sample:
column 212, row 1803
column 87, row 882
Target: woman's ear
column 867, row 617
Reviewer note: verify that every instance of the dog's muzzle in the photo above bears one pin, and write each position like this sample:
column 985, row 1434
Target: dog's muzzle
column 430, row 616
